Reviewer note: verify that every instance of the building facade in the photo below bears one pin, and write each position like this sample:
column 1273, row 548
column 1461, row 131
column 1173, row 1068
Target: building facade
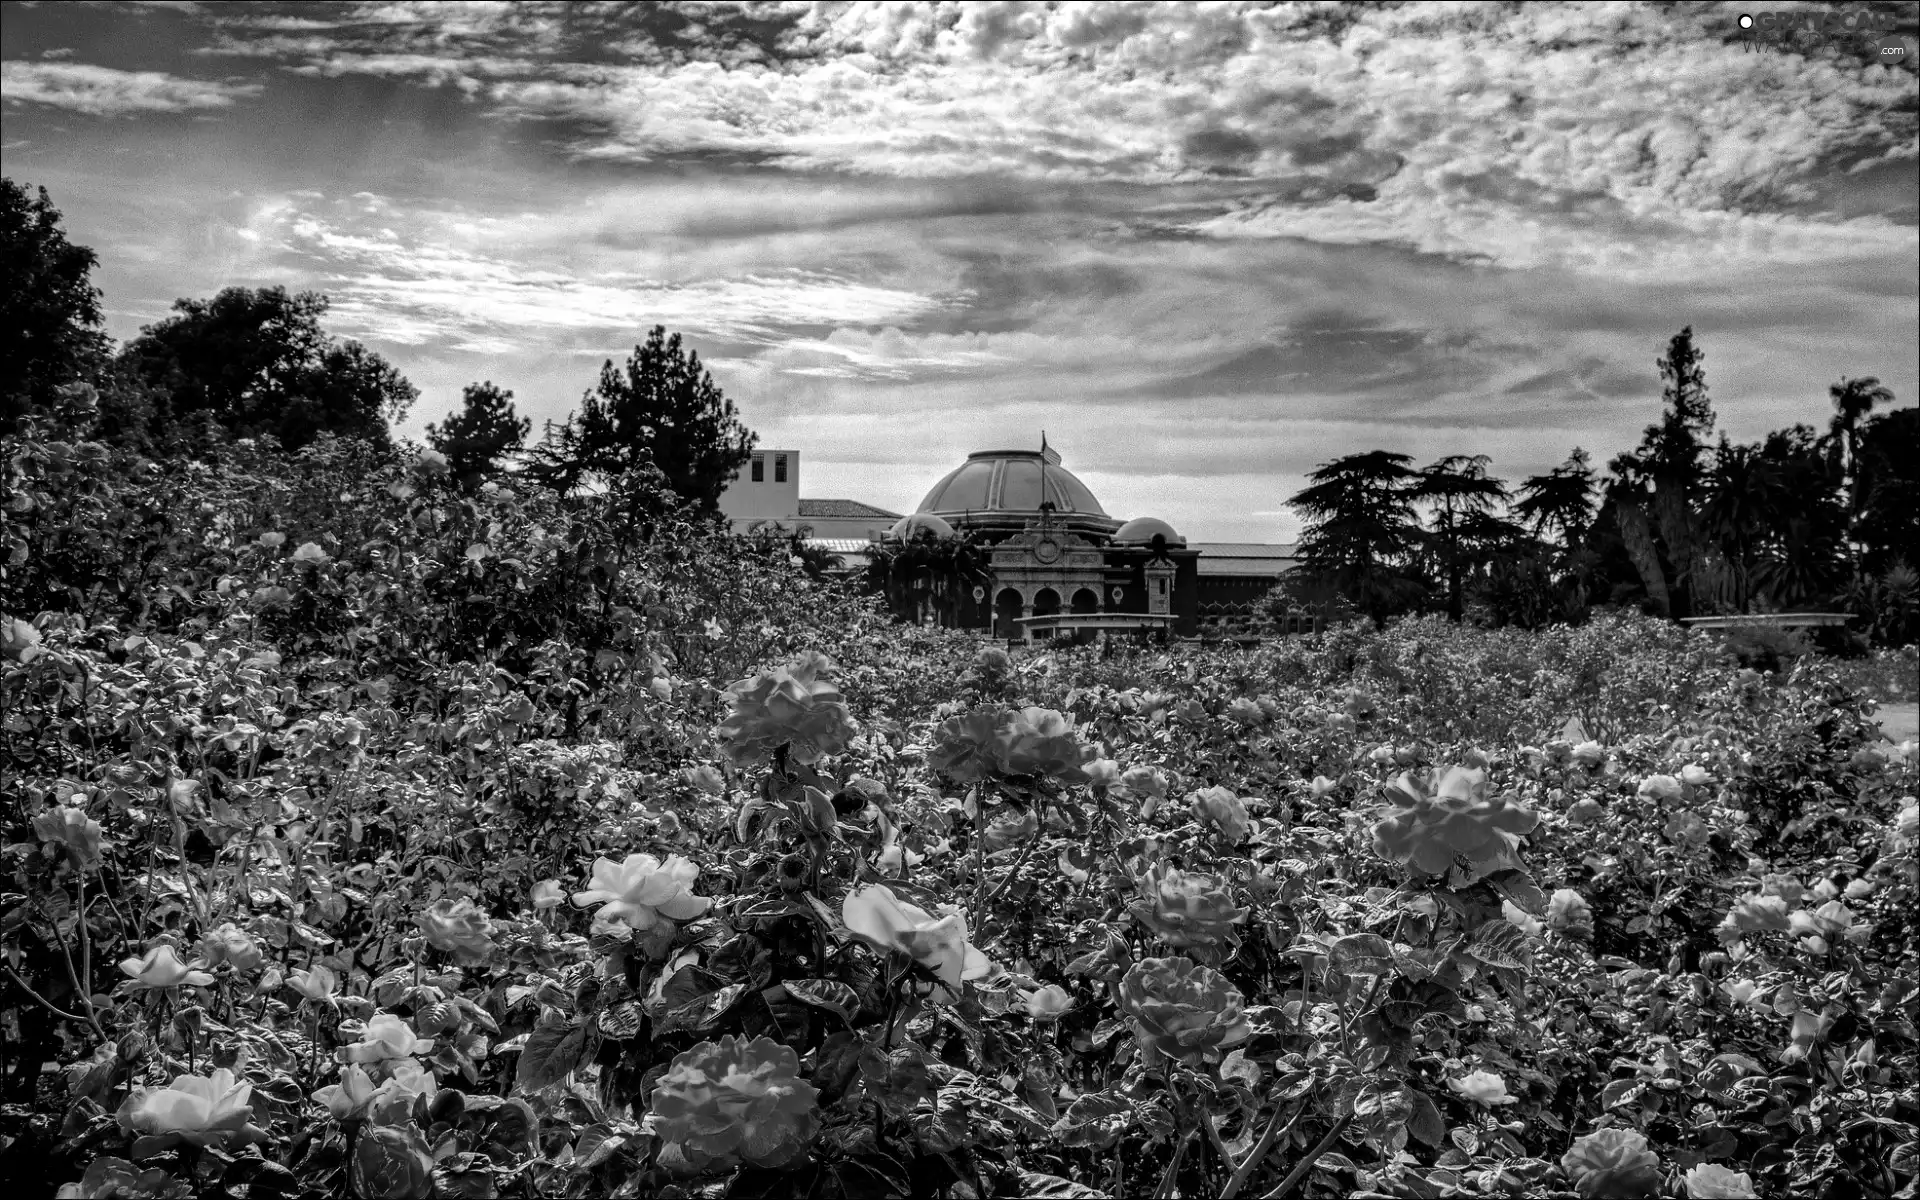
column 1051, row 548
column 766, row 491
column 1045, row 547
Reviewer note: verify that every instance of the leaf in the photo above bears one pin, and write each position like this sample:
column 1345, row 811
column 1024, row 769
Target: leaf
column 1519, row 887
column 1036, row 1186
column 701, row 1013
column 1722, row 1071
column 829, row 994
column 1501, row 943
column 1622, row 1091
column 1362, row 954
column 1097, row 1120
column 551, row 1052
column 1425, row 1123
column 1104, row 1031
column 622, row 1021
column 684, row 987
column 778, row 1016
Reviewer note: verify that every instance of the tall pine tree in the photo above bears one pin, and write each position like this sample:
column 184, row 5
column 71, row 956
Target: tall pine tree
column 662, row 409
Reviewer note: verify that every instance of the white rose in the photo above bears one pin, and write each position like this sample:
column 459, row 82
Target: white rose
column 940, row 944
column 642, row 891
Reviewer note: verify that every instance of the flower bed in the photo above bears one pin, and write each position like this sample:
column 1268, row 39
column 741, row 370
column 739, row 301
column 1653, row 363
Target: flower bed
column 861, row 910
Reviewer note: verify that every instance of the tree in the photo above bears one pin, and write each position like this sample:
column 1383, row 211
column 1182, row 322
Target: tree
column 1853, row 400
column 1459, row 489
column 1656, row 488
column 663, row 408
column 257, row 363
column 1888, row 489
column 1360, row 530
column 1559, row 503
column 49, row 308
column 478, row 437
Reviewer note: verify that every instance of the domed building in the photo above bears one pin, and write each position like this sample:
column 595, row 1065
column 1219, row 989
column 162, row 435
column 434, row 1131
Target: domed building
column 1010, row 538
column 1054, row 551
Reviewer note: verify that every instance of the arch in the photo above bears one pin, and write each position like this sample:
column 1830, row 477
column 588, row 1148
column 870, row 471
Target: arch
column 1086, row 600
column 1046, row 602
column 1007, row 605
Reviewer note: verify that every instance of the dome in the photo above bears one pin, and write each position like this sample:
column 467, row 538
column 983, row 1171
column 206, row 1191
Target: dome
column 1142, row 530
column 1005, row 488
column 910, row 527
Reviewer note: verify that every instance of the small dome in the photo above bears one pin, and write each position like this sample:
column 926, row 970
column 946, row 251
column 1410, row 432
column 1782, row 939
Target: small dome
column 1141, row 531
column 909, row 527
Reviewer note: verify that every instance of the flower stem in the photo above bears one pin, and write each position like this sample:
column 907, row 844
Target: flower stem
column 1301, row 1168
column 42, row 1000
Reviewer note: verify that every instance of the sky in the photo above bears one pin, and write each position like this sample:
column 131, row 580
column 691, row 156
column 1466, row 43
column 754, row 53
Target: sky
column 1205, row 247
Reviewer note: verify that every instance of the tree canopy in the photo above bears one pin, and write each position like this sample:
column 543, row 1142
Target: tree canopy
column 661, row 408
column 257, row 363
column 49, row 308
column 478, row 438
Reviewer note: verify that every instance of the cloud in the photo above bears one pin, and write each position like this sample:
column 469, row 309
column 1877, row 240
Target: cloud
column 106, row 92
column 453, row 280
column 1611, row 140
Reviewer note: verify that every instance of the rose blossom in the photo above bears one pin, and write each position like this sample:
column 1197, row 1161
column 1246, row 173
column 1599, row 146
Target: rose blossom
column 642, row 891
column 213, row 1110
column 386, row 1037
column 161, row 967
column 939, row 944
column 1483, row 1086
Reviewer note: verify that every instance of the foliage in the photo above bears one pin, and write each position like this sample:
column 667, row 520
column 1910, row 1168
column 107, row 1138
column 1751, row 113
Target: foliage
column 480, row 438
column 257, row 363
column 1362, row 529
column 49, row 307
column 859, row 910
column 662, row 409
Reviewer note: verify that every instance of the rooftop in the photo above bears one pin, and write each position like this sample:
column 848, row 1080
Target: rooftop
column 842, row 508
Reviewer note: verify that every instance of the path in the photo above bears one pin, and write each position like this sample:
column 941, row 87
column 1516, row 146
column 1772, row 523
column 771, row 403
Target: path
column 1899, row 722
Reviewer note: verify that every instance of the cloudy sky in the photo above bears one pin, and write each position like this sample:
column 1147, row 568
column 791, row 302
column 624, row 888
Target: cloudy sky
column 1204, row 246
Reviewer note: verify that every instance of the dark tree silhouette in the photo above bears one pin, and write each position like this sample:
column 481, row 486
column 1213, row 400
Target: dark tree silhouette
column 662, row 409
column 479, row 437
column 1559, row 504
column 1656, row 488
column 49, row 308
column 257, row 363
column 1459, row 489
column 1361, row 529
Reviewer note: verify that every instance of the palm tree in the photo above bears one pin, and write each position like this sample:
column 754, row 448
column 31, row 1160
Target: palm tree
column 1853, row 399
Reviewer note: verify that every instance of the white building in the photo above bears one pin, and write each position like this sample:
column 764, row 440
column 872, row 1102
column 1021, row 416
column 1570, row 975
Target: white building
column 767, row 491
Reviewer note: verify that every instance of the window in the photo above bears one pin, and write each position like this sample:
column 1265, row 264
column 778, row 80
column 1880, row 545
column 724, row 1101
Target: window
column 1163, row 586
column 759, row 468
column 779, row 468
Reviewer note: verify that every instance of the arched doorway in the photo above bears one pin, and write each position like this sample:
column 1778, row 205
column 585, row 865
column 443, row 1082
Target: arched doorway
column 1046, row 602
column 1006, row 609
column 1085, row 600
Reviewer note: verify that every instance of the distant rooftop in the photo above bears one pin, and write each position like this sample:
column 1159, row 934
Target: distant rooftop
column 1244, row 558
column 841, row 545
column 851, row 509
column 1247, row 549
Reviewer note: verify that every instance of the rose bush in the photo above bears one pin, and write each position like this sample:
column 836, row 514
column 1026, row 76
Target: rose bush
column 379, row 768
